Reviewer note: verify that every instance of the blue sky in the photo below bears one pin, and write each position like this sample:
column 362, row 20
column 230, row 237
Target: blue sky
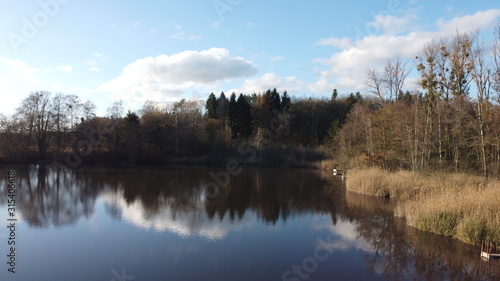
column 167, row 50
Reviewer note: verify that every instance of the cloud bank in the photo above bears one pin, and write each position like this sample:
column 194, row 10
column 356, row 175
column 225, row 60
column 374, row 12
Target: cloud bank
column 165, row 77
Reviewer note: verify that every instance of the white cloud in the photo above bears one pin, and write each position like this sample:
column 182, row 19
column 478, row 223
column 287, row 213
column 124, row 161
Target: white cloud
column 391, row 24
column 480, row 20
column 190, row 221
column 65, row 68
column 278, row 58
column 21, row 69
column 270, row 80
column 250, row 24
column 96, row 57
column 396, row 36
column 182, row 35
column 18, row 80
column 322, row 86
column 58, row 86
column 174, row 25
column 165, row 78
column 179, row 34
column 342, row 43
column 345, row 236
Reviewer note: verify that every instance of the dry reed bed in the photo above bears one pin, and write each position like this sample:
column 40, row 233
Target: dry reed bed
column 459, row 205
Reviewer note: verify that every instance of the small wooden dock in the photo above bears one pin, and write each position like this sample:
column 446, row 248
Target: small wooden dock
column 487, row 251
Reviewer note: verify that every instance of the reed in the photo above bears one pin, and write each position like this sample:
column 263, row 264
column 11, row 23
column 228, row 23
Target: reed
column 463, row 206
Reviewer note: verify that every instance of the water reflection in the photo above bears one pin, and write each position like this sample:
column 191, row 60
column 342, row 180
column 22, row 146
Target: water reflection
column 53, row 196
column 176, row 201
column 405, row 253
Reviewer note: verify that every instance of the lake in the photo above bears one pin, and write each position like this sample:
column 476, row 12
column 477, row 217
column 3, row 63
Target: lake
column 157, row 223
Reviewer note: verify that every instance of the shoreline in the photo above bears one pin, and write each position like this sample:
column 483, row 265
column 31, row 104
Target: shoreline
column 462, row 206
column 458, row 205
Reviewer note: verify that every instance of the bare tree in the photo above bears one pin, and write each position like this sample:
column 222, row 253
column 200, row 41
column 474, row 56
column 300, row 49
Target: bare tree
column 115, row 113
column 88, row 109
column 375, row 83
column 35, row 114
column 73, row 106
column 116, row 110
column 496, row 87
column 60, row 119
column 496, row 61
column 481, row 74
column 395, row 73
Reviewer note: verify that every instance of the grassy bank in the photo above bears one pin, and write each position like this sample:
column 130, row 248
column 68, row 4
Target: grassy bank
column 463, row 206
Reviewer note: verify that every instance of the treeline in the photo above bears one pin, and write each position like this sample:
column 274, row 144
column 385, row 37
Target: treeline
column 453, row 124
column 269, row 126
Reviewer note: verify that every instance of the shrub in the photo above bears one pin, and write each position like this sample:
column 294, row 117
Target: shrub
column 439, row 223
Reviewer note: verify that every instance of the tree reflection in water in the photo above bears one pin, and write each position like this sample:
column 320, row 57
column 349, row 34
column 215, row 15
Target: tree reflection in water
column 405, row 253
column 175, row 200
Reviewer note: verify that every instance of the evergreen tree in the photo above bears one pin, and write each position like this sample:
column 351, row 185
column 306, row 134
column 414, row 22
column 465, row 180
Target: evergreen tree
column 131, row 118
column 232, row 112
column 274, row 99
column 331, row 133
column 285, row 101
column 222, row 108
column 244, row 117
column 334, row 94
column 211, row 106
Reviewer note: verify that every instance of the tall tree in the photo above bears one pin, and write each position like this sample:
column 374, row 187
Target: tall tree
column 222, row 108
column 132, row 137
column 233, row 115
column 481, row 74
column 375, row 83
column 286, row 101
column 334, row 94
column 274, row 99
column 395, row 73
column 74, row 106
column 244, row 117
column 60, row 119
column 36, row 115
column 89, row 110
column 211, row 106
column 496, row 60
column 115, row 114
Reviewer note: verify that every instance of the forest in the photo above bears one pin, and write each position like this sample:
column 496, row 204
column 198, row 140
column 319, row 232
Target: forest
column 280, row 131
column 451, row 125
column 451, row 121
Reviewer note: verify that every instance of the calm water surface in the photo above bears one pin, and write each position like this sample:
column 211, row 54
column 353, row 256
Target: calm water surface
column 186, row 224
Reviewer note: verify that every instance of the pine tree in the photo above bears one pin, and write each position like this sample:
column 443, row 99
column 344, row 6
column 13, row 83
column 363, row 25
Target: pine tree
column 334, row 94
column 244, row 117
column 274, row 99
column 232, row 112
column 222, row 108
column 285, row 101
column 211, row 106
column 331, row 133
